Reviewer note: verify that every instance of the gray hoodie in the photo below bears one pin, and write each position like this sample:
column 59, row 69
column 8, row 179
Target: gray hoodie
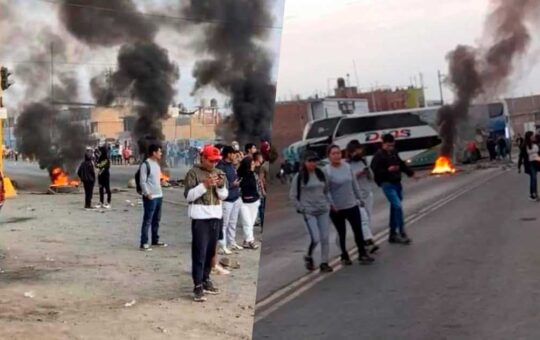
column 344, row 190
column 314, row 196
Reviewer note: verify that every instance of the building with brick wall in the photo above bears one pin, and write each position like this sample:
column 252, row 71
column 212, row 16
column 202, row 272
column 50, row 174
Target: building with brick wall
column 385, row 99
column 288, row 123
column 524, row 111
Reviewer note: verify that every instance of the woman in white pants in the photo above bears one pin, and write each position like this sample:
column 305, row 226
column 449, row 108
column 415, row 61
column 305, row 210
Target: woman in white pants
column 364, row 178
column 310, row 194
column 250, row 200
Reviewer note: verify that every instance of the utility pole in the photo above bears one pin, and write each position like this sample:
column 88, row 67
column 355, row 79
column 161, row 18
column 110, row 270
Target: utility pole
column 440, row 76
column 5, row 84
column 52, row 73
column 422, row 88
column 356, row 74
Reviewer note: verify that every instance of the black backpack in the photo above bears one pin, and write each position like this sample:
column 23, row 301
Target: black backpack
column 318, row 172
column 138, row 177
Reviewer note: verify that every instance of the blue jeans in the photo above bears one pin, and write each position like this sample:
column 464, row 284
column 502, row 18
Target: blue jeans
column 533, row 190
column 262, row 207
column 151, row 218
column 394, row 194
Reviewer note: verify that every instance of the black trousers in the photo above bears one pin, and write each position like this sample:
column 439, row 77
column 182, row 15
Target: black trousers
column 205, row 235
column 88, row 193
column 104, row 187
column 339, row 219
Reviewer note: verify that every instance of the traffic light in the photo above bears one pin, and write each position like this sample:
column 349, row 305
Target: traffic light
column 5, row 83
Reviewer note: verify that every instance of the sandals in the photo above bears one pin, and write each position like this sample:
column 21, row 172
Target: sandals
column 250, row 245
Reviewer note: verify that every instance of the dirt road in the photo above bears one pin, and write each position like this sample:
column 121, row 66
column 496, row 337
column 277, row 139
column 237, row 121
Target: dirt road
column 66, row 273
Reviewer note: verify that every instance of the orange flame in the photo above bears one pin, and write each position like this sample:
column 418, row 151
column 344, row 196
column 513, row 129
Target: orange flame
column 164, row 177
column 443, row 165
column 60, row 178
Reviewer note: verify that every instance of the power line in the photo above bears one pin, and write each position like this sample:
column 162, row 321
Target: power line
column 157, row 16
column 6, row 62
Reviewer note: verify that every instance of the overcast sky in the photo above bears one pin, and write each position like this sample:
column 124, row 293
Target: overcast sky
column 392, row 41
column 30, row 17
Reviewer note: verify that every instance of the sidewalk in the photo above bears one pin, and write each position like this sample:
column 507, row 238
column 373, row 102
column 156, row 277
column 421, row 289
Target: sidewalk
column 71, row 274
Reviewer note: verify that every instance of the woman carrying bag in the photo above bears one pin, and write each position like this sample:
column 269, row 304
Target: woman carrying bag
column 310, row 194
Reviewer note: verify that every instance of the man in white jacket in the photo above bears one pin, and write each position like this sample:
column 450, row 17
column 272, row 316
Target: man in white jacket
column 205, row 189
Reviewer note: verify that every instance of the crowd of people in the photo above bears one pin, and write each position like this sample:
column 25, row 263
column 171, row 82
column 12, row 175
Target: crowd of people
column 178, row 156
column 342, row 191
column 224, row 187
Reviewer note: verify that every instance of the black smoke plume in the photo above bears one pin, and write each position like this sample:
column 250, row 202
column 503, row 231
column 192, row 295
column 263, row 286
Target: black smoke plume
column 42, row 131
column 145, row 72
column 106, row 22
column 238, row 65
column 486, row 70
column 51, row 137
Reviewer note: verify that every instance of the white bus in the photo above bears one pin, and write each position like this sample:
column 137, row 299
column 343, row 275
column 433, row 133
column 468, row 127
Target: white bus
column 415, row 131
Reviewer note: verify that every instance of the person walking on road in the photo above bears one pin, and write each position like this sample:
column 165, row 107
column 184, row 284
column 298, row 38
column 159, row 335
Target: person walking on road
column 104, row 178
column 345, row 198
column 311, row 197
column 205, row 189
column 87, row 174
column 150, row 179
column 387, row 167
column 364, row 178
column 249, row 188
column 530, row 158
column 233, row 202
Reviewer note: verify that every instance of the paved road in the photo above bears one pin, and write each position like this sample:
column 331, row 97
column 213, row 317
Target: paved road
column 285, row 238
column 30, row 177
column 473, row 272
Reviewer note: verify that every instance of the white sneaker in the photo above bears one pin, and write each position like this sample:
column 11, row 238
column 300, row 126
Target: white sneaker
column 107, row 206
column 235, row 246
column 98, row 206
column 225, row 251
column 219, row 270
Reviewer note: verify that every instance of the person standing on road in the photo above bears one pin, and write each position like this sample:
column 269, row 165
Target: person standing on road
column 232, row 204
column 87, row 174
column 530, row 153
column 262, row 173
column 364, row 178
column 345, row 198
column 150, row 179
column 523, row 158
column 104, row 178
column 387, row 167
column 492, row 148
column 249, row 188
column 205, row 188
column 311, row 197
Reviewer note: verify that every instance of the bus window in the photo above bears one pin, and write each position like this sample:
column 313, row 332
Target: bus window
column 350, row 126
column 323, row 128
column 495, row 110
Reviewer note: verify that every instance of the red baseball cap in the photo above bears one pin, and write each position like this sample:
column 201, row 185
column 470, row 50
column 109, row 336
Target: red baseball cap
column 211, row 153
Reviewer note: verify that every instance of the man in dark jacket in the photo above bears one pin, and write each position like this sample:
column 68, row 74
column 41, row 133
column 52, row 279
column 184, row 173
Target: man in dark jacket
column 87, row 174
column 387, row 167
column 232, row 204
